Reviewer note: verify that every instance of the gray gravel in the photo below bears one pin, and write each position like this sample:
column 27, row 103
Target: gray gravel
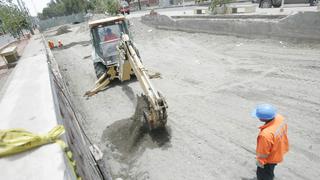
column 211, row 84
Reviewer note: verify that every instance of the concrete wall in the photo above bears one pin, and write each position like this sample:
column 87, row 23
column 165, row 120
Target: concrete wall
column 301, row 26
column 88, row 167
column 57, row 21
column 6, row 39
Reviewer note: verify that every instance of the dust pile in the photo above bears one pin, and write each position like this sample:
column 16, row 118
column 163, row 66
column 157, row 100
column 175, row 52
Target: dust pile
column 63, row 30
column 127, row 139
column 83, row 28
column 126, row 133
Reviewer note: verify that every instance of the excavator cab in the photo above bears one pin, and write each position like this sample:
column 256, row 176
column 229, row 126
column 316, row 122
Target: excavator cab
column 106, row 36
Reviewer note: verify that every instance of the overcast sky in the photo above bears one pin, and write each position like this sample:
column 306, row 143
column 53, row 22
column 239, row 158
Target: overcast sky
column 35, row 6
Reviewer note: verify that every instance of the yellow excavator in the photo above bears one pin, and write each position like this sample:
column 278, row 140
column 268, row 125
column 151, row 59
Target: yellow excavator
column 116, row 57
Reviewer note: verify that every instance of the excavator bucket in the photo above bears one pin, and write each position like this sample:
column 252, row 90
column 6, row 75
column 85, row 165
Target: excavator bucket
column 149, row 118
column 155, row 118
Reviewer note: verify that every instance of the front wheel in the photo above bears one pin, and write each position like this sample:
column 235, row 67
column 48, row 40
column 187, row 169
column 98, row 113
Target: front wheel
column 265, row 4
column 99, row 68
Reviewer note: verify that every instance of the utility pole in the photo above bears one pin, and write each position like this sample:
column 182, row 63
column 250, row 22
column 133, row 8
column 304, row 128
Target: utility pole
column 139, row 3
column 22, row 7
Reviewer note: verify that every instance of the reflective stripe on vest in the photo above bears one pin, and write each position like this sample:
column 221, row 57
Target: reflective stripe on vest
column 280, row 130
column 262, row 155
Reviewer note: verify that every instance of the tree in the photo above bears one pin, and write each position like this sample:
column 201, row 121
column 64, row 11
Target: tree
column 99, row 6
column 112, row 7
column 219, row 3
column 102, row 6
column 13, row 20
column 64, row 7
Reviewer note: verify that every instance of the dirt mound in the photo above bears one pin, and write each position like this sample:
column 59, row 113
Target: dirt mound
column 127, row 139
column 63, row 30
column 83, row 28
column 125, row 134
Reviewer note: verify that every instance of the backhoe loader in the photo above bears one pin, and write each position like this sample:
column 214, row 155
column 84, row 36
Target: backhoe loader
column 116, row 57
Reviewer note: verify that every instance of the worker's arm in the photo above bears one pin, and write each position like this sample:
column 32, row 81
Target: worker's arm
column 264, row 146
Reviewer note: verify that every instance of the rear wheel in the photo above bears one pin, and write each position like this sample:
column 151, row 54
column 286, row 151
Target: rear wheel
column 277, row 3
column 100, row 69
column 265, row 4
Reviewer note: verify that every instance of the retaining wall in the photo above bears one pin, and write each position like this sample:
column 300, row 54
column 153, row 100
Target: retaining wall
column 57, row 21
column 300, row 26
column 88, row 166
column 6, row 39
column 36, row 98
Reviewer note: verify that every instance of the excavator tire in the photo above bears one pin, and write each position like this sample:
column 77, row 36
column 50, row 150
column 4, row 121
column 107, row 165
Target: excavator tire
column 100, row 69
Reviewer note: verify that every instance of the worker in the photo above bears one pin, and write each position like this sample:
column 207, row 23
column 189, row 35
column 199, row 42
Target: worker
column 51, row 44
column 60, row 44
column 272, row 141
column 109, row 35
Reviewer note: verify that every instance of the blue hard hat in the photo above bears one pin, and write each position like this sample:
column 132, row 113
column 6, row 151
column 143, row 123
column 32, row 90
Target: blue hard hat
column 264, row 112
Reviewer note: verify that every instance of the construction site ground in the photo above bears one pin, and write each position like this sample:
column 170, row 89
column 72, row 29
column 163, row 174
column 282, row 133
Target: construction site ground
column 211, row 84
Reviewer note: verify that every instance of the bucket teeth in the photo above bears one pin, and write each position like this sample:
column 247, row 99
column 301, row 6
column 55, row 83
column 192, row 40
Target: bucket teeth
column 154, row 119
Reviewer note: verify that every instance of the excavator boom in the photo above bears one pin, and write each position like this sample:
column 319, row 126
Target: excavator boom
column 156, row 115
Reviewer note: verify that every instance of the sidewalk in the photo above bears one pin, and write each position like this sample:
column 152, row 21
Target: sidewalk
column 27, row 103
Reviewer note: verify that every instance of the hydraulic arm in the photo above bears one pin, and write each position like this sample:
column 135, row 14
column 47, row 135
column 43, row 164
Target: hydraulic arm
column 156, row 114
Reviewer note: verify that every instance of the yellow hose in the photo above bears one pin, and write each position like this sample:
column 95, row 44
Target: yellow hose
column 14, row 141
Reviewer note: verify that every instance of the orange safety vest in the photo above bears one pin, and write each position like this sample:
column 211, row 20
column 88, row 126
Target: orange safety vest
column 272, row 142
